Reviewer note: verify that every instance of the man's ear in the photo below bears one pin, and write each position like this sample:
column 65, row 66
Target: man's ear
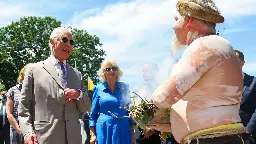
column 189, row 21
column 243, row 62
column 51, row 41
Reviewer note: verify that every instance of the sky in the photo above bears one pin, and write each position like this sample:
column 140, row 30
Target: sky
column 135, row 32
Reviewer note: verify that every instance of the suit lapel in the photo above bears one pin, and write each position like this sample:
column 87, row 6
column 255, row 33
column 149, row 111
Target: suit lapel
column 246, row 81
column 49, row 67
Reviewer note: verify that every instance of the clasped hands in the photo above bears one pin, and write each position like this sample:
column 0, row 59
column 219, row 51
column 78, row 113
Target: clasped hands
column 31, row 139
column 71, row 94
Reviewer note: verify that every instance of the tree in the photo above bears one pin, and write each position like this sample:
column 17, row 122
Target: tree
column 26, row 41
column 86, row 54
column 2, row 87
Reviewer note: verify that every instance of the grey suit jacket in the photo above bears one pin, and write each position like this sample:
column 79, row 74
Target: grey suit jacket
column 42, row 110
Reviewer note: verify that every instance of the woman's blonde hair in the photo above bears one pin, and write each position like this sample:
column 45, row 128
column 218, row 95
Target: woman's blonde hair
column 22, row 74
column 101, row 70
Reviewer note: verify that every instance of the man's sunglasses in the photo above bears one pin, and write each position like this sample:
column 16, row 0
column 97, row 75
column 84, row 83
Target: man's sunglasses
column 114, row 68
column 65, row 40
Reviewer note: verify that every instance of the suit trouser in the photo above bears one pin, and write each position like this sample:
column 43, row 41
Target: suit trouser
column 153, row 139
column 244, row 138
column 5, row 134
column 171, row 140
column 87, row 131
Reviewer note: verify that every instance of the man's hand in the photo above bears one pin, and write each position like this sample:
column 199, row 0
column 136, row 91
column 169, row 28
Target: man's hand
column 71, row 94
column 148, row 132
column 31, row 139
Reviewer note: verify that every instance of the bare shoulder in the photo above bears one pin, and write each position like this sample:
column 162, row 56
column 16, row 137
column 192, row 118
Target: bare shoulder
column 216, row 42
column 212, row 45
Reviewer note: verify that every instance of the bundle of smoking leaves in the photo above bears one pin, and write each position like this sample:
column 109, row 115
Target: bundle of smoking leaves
column 143, row 113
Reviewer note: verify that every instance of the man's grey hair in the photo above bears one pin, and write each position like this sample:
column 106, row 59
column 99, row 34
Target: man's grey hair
column 56, row 34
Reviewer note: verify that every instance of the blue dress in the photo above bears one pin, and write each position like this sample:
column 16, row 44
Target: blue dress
column 111, row 130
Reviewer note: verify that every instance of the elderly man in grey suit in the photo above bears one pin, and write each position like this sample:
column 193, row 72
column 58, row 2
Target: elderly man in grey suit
column 52, row 96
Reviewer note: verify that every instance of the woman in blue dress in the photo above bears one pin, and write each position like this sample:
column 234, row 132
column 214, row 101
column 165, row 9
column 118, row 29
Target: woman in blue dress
column 109, row 98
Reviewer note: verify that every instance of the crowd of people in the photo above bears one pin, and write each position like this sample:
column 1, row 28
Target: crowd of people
column 212, row 100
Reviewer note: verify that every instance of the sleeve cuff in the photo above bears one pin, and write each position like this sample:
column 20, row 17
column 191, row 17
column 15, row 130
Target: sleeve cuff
column 92, row 123
column 9, row 96
column 80, row 97
column 132, row 121
column 27, row 134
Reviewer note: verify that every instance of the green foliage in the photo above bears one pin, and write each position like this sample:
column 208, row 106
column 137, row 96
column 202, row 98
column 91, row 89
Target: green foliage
column 86, row 54
column 143, row 113
column 2, row 87
column 26, row 41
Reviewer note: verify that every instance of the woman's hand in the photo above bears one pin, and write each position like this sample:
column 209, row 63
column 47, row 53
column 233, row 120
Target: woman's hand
column 133, row 137
column 93, row 139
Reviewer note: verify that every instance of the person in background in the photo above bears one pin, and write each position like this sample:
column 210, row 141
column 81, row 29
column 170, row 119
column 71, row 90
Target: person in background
column 12, row 103
column 86, row 115
column 109, row 122
column 247, row 110
column 4, row 123
column 86, row 128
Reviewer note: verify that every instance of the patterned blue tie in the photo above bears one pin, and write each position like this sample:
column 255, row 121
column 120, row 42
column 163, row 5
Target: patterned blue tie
column 63, row 75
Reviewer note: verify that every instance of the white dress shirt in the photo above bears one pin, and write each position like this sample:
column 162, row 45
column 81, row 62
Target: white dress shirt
column 57, row 66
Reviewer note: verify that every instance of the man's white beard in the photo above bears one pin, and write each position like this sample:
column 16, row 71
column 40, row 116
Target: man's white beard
column 176, row 44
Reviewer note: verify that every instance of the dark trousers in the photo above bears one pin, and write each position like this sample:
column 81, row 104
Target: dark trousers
column 244, row 138
column 86, row 127
column 153, row 139
column 16, row 138
column 5, row 134
column 171, row 140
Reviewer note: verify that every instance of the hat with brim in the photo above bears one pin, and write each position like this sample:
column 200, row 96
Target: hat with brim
column 199, row 12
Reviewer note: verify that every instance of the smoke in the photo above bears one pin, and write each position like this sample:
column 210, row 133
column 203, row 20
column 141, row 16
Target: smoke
column 165, row 66
column 158, row 76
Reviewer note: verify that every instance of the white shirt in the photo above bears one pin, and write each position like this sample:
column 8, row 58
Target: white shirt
column 56, row 64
